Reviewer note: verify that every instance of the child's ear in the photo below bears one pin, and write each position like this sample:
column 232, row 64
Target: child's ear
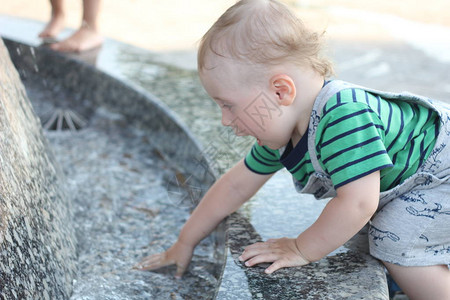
column 283, row 86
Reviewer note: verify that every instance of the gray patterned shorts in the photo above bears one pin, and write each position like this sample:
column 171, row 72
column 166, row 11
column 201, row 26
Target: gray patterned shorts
column 412, row 225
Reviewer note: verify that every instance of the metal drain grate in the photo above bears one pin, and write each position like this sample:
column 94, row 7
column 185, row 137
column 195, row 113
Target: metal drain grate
column 63, row 119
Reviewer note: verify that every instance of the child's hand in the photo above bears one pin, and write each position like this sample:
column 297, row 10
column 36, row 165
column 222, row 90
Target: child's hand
column 280, row 252
column 179, row 254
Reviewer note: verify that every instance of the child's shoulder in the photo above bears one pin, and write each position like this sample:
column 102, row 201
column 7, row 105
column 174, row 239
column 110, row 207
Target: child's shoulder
column 350, row 98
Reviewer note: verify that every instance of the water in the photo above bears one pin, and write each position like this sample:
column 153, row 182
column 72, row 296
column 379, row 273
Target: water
column 119, row 188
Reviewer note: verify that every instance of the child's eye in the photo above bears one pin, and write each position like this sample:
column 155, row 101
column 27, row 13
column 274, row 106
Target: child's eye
column 226, row 106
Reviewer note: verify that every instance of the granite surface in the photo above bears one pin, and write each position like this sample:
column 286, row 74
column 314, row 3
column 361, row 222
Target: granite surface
column 347, row 273
column 124, row 211
column 37, row 241
column 276, row 211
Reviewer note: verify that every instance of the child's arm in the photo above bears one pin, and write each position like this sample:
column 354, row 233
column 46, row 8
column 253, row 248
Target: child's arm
column 224, row 197
column 340, row 220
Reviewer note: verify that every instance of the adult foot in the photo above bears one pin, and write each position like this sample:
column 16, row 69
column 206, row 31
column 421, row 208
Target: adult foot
column 53, row 28
column 83, row 39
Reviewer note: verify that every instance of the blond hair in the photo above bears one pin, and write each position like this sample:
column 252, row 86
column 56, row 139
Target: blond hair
column 263, row 32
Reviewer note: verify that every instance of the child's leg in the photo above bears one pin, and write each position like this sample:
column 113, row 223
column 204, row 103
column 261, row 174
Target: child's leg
column 56, row 23
column 87, row 36
column 431, row 282
column 412, row 230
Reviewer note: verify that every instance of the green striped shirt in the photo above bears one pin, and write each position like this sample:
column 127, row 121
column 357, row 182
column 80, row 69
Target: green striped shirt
column 358, row 134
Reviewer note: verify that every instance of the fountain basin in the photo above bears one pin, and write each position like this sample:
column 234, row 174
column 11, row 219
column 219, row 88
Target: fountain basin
column 127, row 170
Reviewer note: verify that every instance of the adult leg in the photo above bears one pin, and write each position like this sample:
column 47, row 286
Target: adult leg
column 427, row 283
column 56, row 23
column 87, row 36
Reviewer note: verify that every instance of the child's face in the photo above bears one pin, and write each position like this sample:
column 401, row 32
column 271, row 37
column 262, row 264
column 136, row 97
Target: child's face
column 249, row 107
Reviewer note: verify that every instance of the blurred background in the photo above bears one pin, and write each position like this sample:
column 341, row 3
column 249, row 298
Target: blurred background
column 172, row 25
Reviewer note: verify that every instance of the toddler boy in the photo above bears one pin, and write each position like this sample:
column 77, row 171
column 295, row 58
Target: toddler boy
column 381, row 157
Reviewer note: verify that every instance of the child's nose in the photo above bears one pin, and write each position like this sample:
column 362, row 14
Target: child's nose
column 226, row 119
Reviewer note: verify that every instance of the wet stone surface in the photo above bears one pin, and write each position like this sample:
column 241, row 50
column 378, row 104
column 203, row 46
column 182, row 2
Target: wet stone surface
column 123, row 211
column 37, row 240
column 347, row 273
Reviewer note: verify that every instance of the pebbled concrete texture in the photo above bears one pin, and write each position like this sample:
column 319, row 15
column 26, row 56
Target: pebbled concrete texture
column 37, row 239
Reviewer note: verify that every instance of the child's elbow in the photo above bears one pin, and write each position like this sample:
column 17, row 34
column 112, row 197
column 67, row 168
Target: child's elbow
column 362, row 194
column 367, row 205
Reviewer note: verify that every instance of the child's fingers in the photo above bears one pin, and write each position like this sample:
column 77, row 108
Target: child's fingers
column 260, row 253
column 180, row 271
column 268, row 243
column 153, row 262
column 267, row 257
column 260, row 245
column 280, row 252
column 153, row 259
column 278, row 264
column 253, row 250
